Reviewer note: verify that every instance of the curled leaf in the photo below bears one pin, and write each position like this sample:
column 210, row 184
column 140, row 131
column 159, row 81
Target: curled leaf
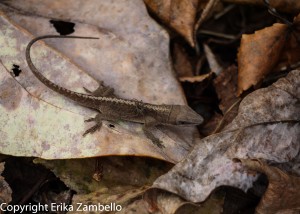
column 267, row 126
column 258, row 54
column 283, row 193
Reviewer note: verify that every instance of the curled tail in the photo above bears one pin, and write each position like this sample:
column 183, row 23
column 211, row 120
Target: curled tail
column 77, row 97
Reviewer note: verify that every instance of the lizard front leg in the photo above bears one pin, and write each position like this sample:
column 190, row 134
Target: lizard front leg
column 101, row 91
column 98, row 120
column 149, row 123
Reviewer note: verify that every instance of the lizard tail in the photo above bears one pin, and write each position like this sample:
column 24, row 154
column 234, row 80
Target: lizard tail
column 77, row 97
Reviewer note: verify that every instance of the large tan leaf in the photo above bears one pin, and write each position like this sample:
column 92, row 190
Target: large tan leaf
column 39, row 122
column 267, row 127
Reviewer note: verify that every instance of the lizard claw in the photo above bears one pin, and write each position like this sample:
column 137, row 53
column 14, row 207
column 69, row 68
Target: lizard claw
column 87, row 90
column 89, row 120
column 158, row 143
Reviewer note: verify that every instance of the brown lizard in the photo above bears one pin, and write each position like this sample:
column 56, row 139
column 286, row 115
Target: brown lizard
column 112, row 108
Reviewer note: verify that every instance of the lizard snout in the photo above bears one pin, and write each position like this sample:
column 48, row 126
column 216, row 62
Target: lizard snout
column 186, row 116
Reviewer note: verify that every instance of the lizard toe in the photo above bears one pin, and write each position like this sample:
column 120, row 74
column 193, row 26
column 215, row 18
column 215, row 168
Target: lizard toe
column 92, row 129
column 89, row 120
column 159, row 144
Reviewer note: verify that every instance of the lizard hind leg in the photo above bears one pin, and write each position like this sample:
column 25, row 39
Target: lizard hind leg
column 151, row 122
column 101, row 91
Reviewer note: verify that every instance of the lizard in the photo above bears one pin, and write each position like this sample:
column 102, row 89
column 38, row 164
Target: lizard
column 111, row 108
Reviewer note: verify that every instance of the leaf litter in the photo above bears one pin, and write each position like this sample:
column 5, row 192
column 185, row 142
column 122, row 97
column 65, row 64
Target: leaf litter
column 272, row 114
column 266, row 127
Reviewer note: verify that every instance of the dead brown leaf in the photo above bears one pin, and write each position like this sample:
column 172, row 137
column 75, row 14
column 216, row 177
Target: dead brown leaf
column 178, row 14
column 168, row 203
column 289, row 6
column 182, row 62
column 226, row 87
column 258, row 54
column 283, row 193
column 291, row 52
column 181, row 15
column 5, row 190
column 123, row 183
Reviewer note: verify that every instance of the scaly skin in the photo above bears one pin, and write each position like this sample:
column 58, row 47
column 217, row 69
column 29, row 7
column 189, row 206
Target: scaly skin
column 112, row 108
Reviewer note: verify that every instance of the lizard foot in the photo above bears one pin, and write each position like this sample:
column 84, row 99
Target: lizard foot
column 89, row 120
column 98, row 120
column 92, row 129
column 158, row 143
column 101, row 91
column 153, row 139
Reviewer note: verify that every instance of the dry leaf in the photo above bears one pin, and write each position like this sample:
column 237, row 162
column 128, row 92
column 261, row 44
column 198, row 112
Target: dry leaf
column 267, row 126
column 5, row 191
column 119, row 201
column 49, row 125
column 226, row 85
column 283, row 193
column 258, row 54
column 181, row 15
column 182, row 62
column 210, row 127
column 167, row 203
column 125, row 173
column 193, row 79
column 178, row 14
column 214, row 65
column 291, row 53
column 124, row 179
column 134, row 207
column 289, row 6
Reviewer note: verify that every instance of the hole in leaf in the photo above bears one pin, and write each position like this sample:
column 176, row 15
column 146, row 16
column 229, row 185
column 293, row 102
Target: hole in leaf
column 62, row 27
column 111, row 126
column 16, row 70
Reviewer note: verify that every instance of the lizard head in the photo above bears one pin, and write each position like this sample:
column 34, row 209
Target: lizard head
column 184, row 115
